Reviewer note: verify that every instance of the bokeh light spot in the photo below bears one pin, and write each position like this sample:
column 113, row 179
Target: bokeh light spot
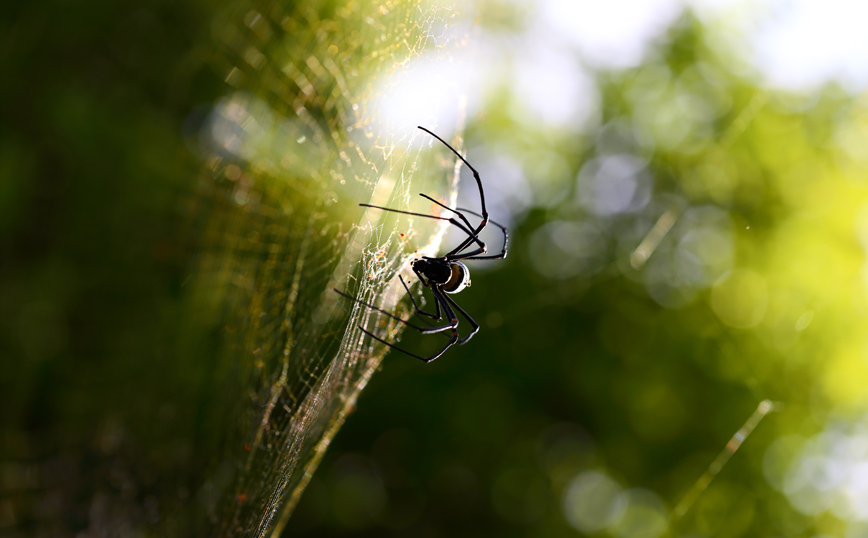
column 828, row 471
column 739, row 298
column 556, row 89
column 614, row 184
column 804, row 320
column 563, row 249
column 592, row 501
column 610, row 34
column 643, row 516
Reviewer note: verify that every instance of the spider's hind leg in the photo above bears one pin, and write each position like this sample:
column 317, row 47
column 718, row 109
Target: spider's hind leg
column 422, row 330
column 452, row 326
column 474, row 326
column 404, row 351
column 418, row 310
column 380, row 310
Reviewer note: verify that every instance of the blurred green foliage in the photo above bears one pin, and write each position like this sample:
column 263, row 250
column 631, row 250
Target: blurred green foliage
column 588, row 373
column 94, row 249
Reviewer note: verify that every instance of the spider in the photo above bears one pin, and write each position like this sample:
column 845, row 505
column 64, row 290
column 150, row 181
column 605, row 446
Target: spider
column 445, row 275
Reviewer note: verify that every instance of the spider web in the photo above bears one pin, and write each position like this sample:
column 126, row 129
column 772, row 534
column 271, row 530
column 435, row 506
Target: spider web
column 290, row 152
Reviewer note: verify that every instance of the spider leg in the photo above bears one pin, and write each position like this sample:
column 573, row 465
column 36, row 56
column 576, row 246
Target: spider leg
column 442, row 299
column 404, row 351
column 473, row 323
column 473, row 255
column 422, row 330
column 482, row 249
column 419, row 311
column 475, row 176
column 472, row 236
column 447, row 208
column 380, row 310
column 451, row 255
column 484, row 215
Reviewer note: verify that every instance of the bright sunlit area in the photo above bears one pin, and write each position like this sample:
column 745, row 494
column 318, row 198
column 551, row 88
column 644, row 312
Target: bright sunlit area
column 626, row 239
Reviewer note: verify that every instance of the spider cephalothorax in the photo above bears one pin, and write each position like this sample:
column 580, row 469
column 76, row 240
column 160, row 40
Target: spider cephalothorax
column 445, row 274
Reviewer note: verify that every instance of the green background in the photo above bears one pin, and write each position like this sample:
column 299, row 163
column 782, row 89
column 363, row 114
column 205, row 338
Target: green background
column 574, row 371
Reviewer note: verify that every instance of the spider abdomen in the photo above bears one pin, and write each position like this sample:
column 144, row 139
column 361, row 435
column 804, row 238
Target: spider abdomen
column 458, row 279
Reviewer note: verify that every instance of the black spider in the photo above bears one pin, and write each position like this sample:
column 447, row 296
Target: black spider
column 445, row 275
